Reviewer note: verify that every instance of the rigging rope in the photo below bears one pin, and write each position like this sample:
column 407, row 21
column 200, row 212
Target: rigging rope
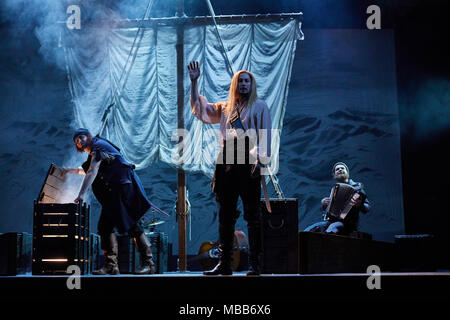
column 117, row 91
column 213, row 16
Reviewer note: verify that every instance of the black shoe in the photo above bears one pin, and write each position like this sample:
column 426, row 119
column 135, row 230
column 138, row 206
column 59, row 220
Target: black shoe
column 253, row 271
column 220, row 269
column 147, row 268
column 109, row 268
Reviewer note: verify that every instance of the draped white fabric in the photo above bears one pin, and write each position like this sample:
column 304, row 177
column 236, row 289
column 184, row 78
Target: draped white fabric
column 143, row 121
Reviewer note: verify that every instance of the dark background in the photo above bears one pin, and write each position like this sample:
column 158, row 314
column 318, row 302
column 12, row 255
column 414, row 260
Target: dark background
column 422, row 60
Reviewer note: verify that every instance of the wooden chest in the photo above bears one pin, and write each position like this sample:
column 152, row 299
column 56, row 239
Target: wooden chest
column 280, row 236
column 60, row 227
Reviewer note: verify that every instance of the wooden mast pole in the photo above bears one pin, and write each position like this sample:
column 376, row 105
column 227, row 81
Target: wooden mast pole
column 181, row 191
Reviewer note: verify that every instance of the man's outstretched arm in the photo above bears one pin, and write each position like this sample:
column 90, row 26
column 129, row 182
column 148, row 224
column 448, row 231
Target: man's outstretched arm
column 204, row 111
column 66, row 170
column 194, row 74
column 88, row 179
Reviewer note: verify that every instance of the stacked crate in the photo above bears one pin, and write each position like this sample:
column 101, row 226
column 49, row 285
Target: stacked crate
column 60, row 227
column 160, row 250
column 129, row 258
column 128, row 254
column 95, row 249
column 15, row 253
column 60, row 237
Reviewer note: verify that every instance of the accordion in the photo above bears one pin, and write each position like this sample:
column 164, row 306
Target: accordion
column 340, row 206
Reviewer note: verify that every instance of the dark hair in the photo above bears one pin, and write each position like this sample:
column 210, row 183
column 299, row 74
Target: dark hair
column 342, row 164
column 81, row 131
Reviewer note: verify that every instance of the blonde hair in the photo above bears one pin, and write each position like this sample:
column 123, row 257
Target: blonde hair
column 234, row 94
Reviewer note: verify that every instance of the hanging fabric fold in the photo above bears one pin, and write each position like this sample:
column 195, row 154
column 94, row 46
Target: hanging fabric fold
column 144, row 118
column 225, row 53
column 117, row 91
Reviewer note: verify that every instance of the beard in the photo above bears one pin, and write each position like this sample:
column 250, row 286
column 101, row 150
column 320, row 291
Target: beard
column 244, row 92
column 343, row 177
column 244, row 97
column 84, row 145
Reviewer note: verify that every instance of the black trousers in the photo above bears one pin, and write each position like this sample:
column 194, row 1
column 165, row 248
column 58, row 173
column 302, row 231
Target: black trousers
column 118, row 209
column 236, row 181
column 106, row 226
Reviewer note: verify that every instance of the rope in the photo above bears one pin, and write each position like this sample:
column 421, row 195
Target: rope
column 186, row 213
column 117, row 91
column 213, row 16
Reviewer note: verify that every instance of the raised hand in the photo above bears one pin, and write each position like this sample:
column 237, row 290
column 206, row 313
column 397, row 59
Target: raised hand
column 194, row 70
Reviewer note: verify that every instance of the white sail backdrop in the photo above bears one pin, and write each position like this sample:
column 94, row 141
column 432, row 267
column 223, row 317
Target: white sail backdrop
column 143, row 120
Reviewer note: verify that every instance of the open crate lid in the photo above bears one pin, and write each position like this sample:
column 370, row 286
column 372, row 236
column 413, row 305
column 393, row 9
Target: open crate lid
column 57, row 189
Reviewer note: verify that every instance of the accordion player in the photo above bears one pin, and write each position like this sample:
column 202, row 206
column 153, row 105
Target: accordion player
column 340, row 207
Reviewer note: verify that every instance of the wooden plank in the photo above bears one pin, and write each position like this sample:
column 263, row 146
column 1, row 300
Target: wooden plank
column 50, row 192
column 198, row 20
column 202, row 20
column 181, row 190
column 56, row 208
column 55, row 182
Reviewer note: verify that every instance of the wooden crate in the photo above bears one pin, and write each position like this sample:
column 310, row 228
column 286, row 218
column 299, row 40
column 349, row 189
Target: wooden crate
column 95, row 251
column 280, row 236
column 160, row 250
column 60, row 227
column 15, row 253
column 128, row 257
column 60, row 237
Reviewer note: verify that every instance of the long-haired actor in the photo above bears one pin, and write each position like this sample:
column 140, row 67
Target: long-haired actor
column 245, row 126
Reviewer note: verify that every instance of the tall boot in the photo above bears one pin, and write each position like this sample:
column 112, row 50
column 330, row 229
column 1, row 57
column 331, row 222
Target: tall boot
column 144, row 247
column 110, row 250
column 226, row 234
column 224, row 265
column 255, row 249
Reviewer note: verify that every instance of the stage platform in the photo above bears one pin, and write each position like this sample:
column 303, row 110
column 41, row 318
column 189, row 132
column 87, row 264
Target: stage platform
column 177, row 288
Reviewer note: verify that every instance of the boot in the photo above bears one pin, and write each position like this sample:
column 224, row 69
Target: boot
column 254, row 268
column 110, row 250
column 224, row 265
column 255, row 248
column 226, row 250
column 143, row 246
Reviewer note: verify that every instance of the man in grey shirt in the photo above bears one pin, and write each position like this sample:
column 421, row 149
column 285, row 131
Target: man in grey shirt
column 244, row 117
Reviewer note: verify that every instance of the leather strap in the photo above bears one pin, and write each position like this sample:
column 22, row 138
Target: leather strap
column 266, row 195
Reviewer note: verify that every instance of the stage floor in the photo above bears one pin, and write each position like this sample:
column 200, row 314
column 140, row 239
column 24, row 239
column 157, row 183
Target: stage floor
column 193, row 287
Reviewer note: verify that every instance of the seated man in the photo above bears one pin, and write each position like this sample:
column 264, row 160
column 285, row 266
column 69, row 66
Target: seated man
column 345, row 226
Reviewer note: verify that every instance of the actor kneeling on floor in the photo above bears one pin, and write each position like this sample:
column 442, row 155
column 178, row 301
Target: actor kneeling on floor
column 335, row 225
column 121, row 195
column 242, row 118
